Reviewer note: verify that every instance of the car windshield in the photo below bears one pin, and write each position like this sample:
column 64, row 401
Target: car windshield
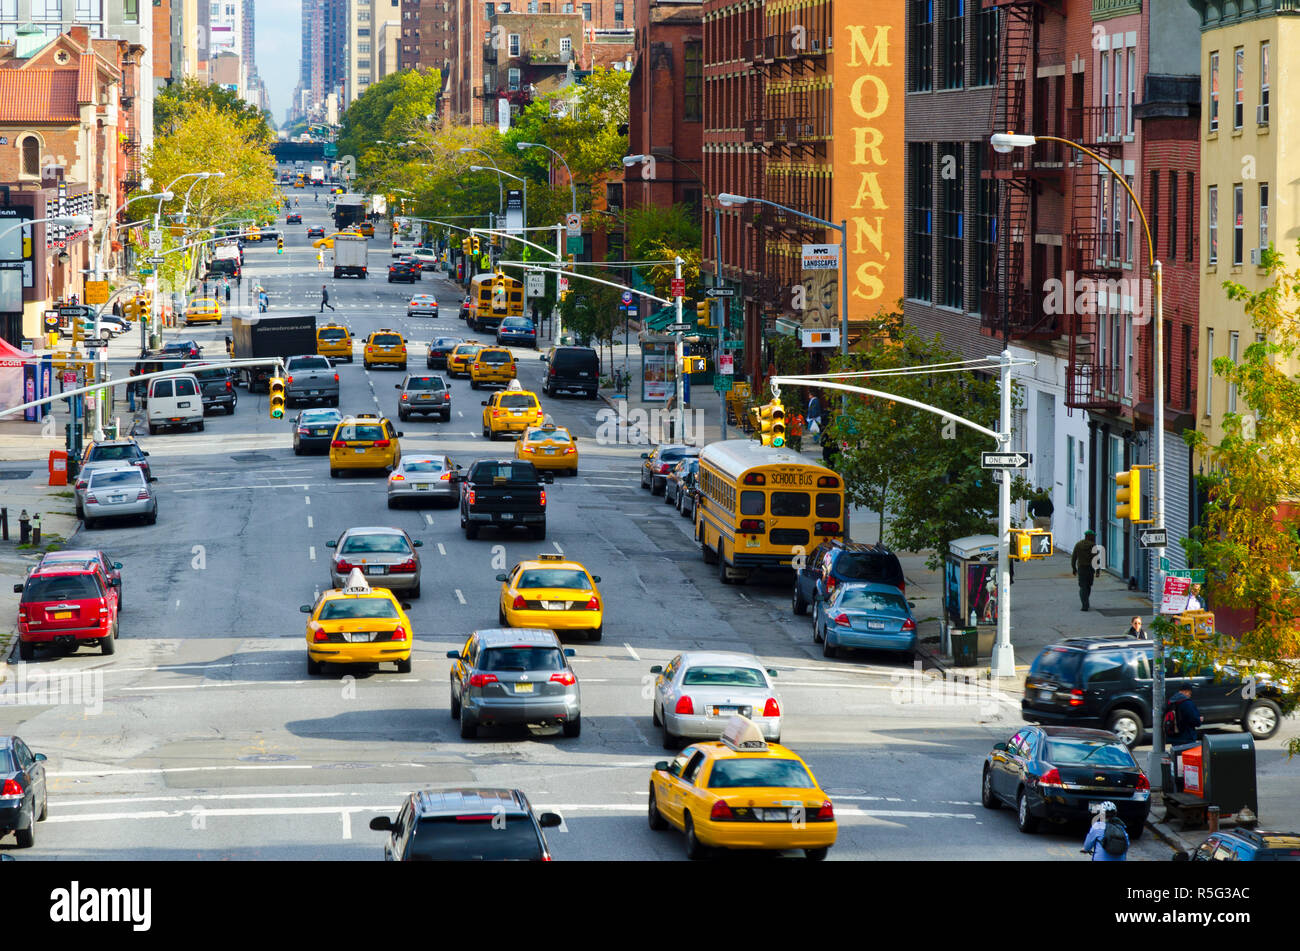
column 443, row 342
column 425, row 383
column 467, row 349
column 1058, row 664
column 543, row 435
column 366, row 544
column 671, row 455
column 320, row 416
column 354, row 609
column 859, row 566
column 553, row 578
column 333, row 333
column 494, row 356
column 517, row 400
column 748, row 773
column 423, row 465
column 858, row 600
column 505, row 471
column 361, row 433
column 61, row 588
column 217, row 374
column 475, row 838
column 99, row 479
column 724, row 677
column 1092, row 752
column 521, row 658
column 387, row 340
column 100, row 453
column 516, row 323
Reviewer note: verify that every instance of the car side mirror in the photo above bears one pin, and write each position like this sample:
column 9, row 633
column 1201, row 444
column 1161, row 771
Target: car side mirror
column 549, row 820
column 662, row 765
column 397, row 386
column 419, row 544
column 999, row 747
column 1182, row 856
column 501, row 576
column 911, row 604
column 645, row 455
column 399, row 435
column 454, row 655
column 484, row 403
column 153, row 478
column 596, row 578
column 548, row 478
column 382, row 824
column 117, row 565
column 18, row 589
column 570, row 652
column 405, row 606
column 657, row 669
column 144, row 452
column 39, row 757
column 330, row 544
column 771, row 672
column 305, row 608
column 542, row 358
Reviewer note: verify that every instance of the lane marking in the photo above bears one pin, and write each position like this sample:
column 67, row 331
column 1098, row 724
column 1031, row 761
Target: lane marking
column 309, row 522
column 441, row 550
column 428, row 518
column 311, row 552
column 306, row 500
column 558, row 548
column 635, row 655
column 460, row 597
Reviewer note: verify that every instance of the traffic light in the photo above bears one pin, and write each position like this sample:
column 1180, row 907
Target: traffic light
column 1128, row 494
column 702, row 312
column 276, row 396
column 279, row 245
column 499, row 293
column 778, row 423
column 477, row 244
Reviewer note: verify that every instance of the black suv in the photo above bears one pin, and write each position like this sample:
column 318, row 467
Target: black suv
column 835, row 562
column 218, row 387
column 1106, row 682
column 1246, row 845
column 466, row 824
column 575, row 369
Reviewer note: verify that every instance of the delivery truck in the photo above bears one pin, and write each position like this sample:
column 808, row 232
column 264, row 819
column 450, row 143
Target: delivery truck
column 349, row 209
column 349, row 255
column 317, row 175
column 261, row 335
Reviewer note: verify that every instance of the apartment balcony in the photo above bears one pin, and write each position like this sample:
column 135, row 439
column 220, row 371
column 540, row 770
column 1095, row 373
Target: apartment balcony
column 1093, row 126
column 775, row 220
column 1092, row 386
column 794, row 45
column 798, row 131
column 489, row 51
column 1088, row 254
column 1023, row 318
column 545, row 57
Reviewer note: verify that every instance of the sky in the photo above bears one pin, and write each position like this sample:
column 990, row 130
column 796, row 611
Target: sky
column 279, row 47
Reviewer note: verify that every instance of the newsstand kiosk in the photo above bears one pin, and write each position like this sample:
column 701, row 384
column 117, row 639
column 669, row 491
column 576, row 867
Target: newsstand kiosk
column 970, row 598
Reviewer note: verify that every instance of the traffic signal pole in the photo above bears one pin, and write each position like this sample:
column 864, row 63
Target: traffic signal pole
column 680, row 419
column 1004, row 657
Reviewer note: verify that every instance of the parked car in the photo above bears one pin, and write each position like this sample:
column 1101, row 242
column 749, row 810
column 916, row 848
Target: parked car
column 439, row 349
column 698, row 693
column 505, row 676
column 114, row 452
column 1057, row 774
column 117, row 493
column 660, row 461
column 385, row 555
column 473, row 824
column 422, row 476
column 66, row 605
column 866, row 616
column 835, row 562
column 423, row 393
column 23, row 791
column 1105, row 681
column 313, row 430
column 1246, row 845
column 87, row 557
column 679, row 478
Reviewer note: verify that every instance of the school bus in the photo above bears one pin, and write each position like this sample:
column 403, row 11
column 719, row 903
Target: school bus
column 762, row 507
column 488, row 307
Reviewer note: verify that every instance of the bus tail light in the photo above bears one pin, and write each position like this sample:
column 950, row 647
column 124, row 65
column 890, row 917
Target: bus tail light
column 828, row 482
column 827, row 528
column 751, row 525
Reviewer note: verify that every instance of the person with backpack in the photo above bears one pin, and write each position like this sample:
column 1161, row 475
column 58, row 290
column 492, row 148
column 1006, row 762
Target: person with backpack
column 1182, row 718
column 1107, row 839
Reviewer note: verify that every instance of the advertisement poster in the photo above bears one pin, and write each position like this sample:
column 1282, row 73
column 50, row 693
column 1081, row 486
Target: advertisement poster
column 1174, row 600
column 982, row 592
column 655, row 382
column 952, row 592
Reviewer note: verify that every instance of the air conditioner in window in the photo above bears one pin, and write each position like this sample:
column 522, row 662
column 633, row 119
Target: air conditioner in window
column 1255, row 256
column 1261, row 114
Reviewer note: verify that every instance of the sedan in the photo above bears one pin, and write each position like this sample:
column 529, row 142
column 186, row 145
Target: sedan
column 112, row 493
column 1060, row 773
column 869, row 616
column 313, row 429
column 113, row 324
column 439, row 350
column 680, row 478
column 401, row 271
column 23, row 792
column 518, row 331
column 659, row 462
column 386, row 555
column 294, row 219
column 699, row 692
column 422, row 476
column 315, row 232
column 422, row 305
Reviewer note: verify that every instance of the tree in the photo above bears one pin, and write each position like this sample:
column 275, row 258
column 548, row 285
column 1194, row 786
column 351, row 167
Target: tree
column 173, row 103
column 1247, row 546
column 591, row 310
column 925, row 472
column 399, row 107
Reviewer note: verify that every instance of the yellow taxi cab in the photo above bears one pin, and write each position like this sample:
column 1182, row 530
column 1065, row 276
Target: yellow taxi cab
column 299, row 184
column 334, row 340
column 203, row 310
column 551, row 593
column 326, row 243
column 385, row 346
column 364, row 441
column 367, row 229
column 549, row 448
column 491, row 365
column 458, row 360
column 513, row 410
column 358, row 624
column 742, row 792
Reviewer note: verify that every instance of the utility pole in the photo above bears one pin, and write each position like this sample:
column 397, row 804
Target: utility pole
column 559, row 257
column 678, row 423
column 1004, row 658
column 721, row 306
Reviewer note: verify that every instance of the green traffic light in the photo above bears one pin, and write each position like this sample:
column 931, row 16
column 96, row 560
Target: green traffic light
column 277, row 413
column 778, row 441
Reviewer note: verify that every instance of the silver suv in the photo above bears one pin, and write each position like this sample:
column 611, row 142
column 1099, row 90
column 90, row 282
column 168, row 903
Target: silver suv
column 514, row 676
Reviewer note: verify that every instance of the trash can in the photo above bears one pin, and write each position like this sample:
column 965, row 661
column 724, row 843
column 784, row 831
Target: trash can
column 965, row 642
column 1228, row 766
column 58, row 465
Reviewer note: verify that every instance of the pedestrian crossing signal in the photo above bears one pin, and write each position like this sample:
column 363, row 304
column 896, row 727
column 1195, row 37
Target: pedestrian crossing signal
column 276, row 396
column 1028, row 544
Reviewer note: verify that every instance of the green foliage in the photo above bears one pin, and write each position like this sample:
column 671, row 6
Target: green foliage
column 906, row 460
column 591, row 310
column 174, row 103
column 651, row 227
column 395, row 109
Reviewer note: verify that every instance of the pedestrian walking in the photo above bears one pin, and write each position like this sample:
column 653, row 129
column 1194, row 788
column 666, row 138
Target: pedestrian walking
column 1081, row 565
column 324, row 299
column 130, row 391
column 1134, row 627
column 1040, row 509
column 227, row 283
column 1182, row 718
column 320, row 260
column 1107, row 840
column 814, row 415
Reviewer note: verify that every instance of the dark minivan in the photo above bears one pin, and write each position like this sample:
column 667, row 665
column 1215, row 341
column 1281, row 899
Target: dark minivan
column 835, row 562
column 571, row 369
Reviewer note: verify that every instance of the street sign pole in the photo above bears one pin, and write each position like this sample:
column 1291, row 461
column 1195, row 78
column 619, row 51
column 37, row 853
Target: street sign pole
column 1004, row 658
column 681, row 378
column 722, row 309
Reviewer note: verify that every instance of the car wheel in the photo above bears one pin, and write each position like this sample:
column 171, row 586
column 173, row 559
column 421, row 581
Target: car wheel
column 667, row 500
column 573, row 727
column 415, row 592
column 1024, row 821
column 297, row 450
column 313, row 667
column 153, row 430
column 596, row 633
column 455, row 706
column 654, row 715
column 694, row 848
column 27, row 650
column 643, row 482
column 26, row 838
column 1126, row 725
column 1263, row 718
column 656, row 488
column 404, row 666
column 539, row 532
column 670, row 741
column 468, row 726
column 708, row 554
column 334, row 473
column 152, row 518
column 817, row 632
column 816, row 855
column 107, row 645
column 403, row 416
column 81, row 513
column 657, row 821
column 1135, row 831
column 487, row 433
column 797, row 604
column 89, row 524
column 199, row 427
column 501, row 618
column 828, row 649
column 473, row 384
column 987, row 797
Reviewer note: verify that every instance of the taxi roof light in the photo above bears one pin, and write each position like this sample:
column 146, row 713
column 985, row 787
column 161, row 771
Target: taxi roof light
column 356, row 583
column 550, row 556
column 743, row 735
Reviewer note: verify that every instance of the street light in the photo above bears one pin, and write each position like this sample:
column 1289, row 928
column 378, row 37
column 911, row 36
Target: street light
column 573, row 188
column 630, row 160
column 103, row 241
column 1004, row 143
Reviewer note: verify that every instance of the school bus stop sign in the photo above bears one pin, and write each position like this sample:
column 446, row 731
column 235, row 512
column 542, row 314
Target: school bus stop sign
column 97, row 292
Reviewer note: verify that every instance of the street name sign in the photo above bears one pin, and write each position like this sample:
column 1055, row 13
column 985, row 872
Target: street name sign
column 156, row 260
column 721, row 292
column 733, row 345
column 1005, row 460
column 1194, row 575
column 677, row 328
column 1153, row 538
column 722, row 384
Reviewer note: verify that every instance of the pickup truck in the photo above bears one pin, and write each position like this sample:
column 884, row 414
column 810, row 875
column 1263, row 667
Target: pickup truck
column 311, row 378
column 217, row 384
column 506, row 493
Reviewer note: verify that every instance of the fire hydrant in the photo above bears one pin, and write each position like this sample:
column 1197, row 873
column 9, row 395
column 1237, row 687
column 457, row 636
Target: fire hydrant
column 36, row 528
column 24, row 528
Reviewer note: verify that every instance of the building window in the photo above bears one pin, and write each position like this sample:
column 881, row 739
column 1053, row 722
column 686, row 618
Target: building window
column 618, row 12
column 1173, row 215
column 532, row 6
column 1103, row 246
column 566, row 43
column 131, row 11
column 986, row 47
column 1263, row 215
column 363, row 16
column 568, row 8
column 363, row 64
column 1117, row 126
column 489, row 10
column 1214, row 92
column 1212, row 215
column 1128, row 356
column 1188, row 401
column 1238, row 225
column 363, row 48
column 1238, row 88
column 364, row 31
column 1070, row 484
column 513, row 43
column 921, row 200
column 1132, row 86
column 512, row 79
column 586, row 12
column 986, row 227
column 1189, row 250
column 1232, row 355
column 1262, row 112
column 1117, row 221
column 693, row 82
column 32, row 156
column 89, row 11
column 954, row 220
column 47, row 9
column 1153, row 213
column 954, row 44
column 1105, row 92
column 1132, row 224
column 921, row 44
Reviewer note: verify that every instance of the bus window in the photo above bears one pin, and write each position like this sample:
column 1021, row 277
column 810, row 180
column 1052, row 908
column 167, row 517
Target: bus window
column 828, row 505
column 751, row 503
column 793, row 504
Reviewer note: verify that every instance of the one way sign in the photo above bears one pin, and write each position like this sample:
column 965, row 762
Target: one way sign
column 1005, row 460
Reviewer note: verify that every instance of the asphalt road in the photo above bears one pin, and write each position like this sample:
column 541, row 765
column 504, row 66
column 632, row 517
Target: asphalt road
column 204, row 738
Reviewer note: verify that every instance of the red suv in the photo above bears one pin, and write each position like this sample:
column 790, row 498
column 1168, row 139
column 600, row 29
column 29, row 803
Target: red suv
column 66, row 605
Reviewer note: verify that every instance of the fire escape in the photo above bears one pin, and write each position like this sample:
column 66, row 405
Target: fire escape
column 130, row 142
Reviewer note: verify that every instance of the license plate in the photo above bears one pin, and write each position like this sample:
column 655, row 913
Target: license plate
column 424, row 396
column 374, row 569
column 583, row 373
column 359, row 637
column 516, row 412
column 421, row 486
column 1045, row 694
column 773, row 815
column 550, row 452
column 753, row 543
column 313, row 392
column 117, row 498
column 185, row 405
column 321, row 432
column 358, row 451
column 875, row 625
column 523, row 688
column 724, row 711
column 507, row 516
column 61, row 615
column 556, row 605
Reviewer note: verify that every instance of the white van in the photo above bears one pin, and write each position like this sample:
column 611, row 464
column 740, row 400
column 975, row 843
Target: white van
column 175, row 401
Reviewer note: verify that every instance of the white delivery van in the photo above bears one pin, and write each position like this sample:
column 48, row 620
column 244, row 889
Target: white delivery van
column 175, row 401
